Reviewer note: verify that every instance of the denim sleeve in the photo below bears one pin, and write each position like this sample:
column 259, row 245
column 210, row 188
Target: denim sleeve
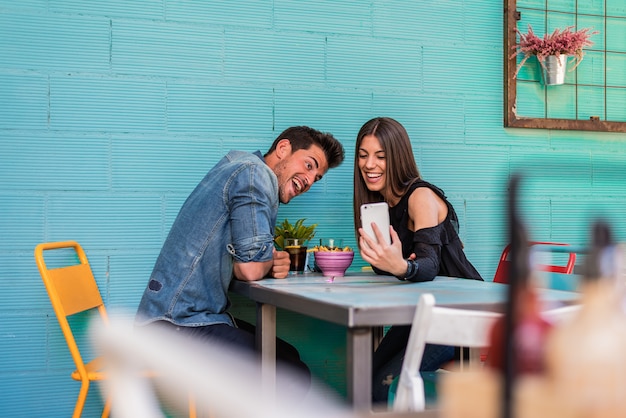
column 253, row 202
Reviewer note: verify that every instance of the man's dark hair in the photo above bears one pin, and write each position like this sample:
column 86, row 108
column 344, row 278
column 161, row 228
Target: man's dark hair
column 302, row 137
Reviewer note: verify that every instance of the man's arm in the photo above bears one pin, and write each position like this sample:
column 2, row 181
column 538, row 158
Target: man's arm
column 277, row 268
column 252, row 271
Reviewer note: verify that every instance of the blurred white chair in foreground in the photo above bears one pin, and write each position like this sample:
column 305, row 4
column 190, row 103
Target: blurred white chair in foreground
column 224, row 382
column 437, row 325
column 449, row 326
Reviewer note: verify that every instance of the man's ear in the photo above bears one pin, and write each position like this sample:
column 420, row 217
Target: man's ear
column 283, row 148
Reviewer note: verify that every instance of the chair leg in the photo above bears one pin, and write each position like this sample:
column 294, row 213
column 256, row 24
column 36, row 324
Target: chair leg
column 82, row 397
column 107, row 408
column 192, row 406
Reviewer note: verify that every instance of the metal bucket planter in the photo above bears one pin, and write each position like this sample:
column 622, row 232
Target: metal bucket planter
column 553, row 70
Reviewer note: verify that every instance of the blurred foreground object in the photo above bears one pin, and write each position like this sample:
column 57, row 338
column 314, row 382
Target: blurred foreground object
column 586, row 362
column 224, row 382
column 585, row 374
column 437, row 325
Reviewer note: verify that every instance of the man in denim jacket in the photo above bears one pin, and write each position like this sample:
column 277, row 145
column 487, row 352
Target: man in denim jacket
column 225, row 229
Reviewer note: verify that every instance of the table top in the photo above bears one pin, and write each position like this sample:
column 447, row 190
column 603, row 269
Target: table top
column 367, row 299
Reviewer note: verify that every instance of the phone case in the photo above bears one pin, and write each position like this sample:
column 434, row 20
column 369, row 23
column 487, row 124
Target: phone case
column 377, row 213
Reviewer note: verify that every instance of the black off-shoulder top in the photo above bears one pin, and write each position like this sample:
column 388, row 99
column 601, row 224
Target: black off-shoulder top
column 439, row 249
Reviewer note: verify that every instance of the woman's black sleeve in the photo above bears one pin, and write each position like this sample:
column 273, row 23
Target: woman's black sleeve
column 427, row 249
column 427, row 257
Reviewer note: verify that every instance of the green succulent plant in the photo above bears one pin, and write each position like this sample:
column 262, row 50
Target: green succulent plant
column 288, row 230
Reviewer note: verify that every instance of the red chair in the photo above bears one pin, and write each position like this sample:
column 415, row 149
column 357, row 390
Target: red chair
column 502, row 272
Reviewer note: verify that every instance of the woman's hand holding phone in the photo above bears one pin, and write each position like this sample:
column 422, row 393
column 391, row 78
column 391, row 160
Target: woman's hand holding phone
column 386, row 257
column 379, row 242
column 376, row 214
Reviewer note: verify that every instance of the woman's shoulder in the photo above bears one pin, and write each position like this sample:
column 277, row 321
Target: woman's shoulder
column 423, row 196
column 423, row 184
column 425, row 208
column 421, row 190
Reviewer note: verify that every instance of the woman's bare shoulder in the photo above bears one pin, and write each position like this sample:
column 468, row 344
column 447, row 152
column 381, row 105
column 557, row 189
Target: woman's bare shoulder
column 426, row 208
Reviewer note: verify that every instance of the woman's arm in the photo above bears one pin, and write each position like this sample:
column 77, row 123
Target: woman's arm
column 426, row 210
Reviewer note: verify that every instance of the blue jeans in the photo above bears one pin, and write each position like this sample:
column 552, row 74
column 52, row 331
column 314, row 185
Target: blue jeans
column 389, row 356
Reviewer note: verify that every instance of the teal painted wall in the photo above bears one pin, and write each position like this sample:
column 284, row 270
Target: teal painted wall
column 111, row 111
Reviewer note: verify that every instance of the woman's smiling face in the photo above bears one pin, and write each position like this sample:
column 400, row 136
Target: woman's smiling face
column 372, row 163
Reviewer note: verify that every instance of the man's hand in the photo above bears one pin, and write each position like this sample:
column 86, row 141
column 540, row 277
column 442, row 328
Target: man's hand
column 280, row 268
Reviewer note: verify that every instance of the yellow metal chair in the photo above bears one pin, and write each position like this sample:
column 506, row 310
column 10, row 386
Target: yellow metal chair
column 72, row 289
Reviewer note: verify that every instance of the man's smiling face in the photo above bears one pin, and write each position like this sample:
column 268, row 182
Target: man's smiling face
column 298, row 170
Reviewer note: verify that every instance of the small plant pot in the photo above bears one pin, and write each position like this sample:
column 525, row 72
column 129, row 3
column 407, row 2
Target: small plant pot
column 553, row 70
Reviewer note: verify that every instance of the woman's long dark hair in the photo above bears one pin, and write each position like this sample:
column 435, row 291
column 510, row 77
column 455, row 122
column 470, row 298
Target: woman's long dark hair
column 401, row 170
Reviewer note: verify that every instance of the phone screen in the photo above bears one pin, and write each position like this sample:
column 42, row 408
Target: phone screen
column 377, row 213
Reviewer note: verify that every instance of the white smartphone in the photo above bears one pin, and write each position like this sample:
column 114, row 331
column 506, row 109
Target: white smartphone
column 377, row 213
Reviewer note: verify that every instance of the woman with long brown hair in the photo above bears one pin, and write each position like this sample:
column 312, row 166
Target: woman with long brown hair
column 424, row 234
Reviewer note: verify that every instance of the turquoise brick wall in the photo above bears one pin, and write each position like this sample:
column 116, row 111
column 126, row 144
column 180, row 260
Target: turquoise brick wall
column 112, row 111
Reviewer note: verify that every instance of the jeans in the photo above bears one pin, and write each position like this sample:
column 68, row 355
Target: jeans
column 389, row 356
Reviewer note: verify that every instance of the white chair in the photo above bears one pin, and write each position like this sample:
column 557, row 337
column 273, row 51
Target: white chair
column 222, row 380
column 449, row 326
column 437, row 325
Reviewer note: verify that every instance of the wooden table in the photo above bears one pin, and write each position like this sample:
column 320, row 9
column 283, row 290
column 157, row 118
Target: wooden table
column 363, row 302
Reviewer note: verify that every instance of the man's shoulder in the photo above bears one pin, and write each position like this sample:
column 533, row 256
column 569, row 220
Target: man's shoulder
column 244, row 156
column 237, row 163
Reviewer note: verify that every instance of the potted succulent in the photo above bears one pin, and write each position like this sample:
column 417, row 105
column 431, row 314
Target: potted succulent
column 293, row 238
column 297, row 231
column 552, row 51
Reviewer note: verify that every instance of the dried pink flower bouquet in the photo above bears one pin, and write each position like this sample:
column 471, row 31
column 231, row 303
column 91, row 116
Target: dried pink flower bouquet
column 559, row 42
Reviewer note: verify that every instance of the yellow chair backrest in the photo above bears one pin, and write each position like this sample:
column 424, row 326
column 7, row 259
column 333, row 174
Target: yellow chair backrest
column 72, row 289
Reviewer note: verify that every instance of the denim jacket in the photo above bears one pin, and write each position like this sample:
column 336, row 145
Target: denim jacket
column 230, row 216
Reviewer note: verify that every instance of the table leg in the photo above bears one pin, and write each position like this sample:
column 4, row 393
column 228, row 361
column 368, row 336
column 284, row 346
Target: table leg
column 266, row 344
column 359, row 367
